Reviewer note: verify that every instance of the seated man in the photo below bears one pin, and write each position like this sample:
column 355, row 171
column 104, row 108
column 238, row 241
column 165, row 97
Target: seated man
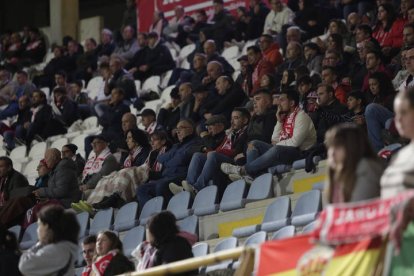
column 205, row 167
column 101, row 162
column 174, row 163
column 294, row 133
column 88, row 251
column 149, row 121
column 10, row 181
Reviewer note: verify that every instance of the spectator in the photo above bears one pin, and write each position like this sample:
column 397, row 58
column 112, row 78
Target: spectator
column 64, row 112
column 307, row 94
column 278, row 16
column 373, row 63
column 354, row 168
column 128, row 46
column 109, row 258
column 174, row 163
column 35, row 48
column 293, row 134
column 288, row 78
column 214, row 70
column 259, row 67
column 206, row 166
column 388, row 31
column 100, row 162
column 57, row 249
column 268, row 82
column 309, row 19
column 7, row 86
column 163, row 234
column 270, row 50
column 187, row 100
column 158, row 23
column 199, row 69
column 222, row 28
column 356, row 108
column 63, row 183
column 330, row 77
column 138, row 146
column 56, row 64
column 86, row 64
column 313, row 57
column 13, row 183
column 149, row 120
column 9, row 253
column 292, row 61
column 210, row 49
column 89, row 250
column 80, row 98
column 107, row 45
column 169, row 115
column 256, row 19
column 69, row 152
column 43, row 174
column 120, row 79
column 409, row 64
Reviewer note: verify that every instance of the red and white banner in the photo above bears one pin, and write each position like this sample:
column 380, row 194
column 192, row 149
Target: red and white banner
column 352, row 222
column 146, row 9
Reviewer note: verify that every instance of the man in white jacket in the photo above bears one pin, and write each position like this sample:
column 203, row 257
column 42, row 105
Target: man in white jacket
column 278, row 16
column 294, row 132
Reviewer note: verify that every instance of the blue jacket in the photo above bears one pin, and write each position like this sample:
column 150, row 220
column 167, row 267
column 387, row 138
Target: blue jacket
column 175, row 162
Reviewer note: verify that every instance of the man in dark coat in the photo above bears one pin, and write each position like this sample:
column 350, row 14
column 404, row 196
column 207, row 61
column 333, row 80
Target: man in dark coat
column 11, row 181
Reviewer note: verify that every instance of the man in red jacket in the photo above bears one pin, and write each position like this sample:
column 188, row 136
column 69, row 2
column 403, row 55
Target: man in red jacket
column 270, row 50
column 260, row 67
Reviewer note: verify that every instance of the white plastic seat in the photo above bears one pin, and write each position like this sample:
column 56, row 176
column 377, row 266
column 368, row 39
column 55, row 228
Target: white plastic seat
column 59, row 143
column 230, row 53
column 30, row 170
column 165, row 78
column 94, row 86
column 186, row 50
column 37, row 151
column 165, row 94
column 151, row 84
column 18, row 153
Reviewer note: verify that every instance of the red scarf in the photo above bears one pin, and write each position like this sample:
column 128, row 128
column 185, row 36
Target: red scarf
column 100, row 265
column 94, row 163
column 288, row 125
column 156, row 167
column 131, row 157
column 227, row 145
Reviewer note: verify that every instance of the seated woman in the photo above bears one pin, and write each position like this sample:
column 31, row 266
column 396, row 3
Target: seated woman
column 69, row 151
column 57, row 249
column 119, row 187
column 354, row 168
column 109, row 259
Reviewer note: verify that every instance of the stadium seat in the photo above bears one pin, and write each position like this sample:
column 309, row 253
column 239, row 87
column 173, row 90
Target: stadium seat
column 230, row 53
column 59, row 143
column 185, row 64
column 151, row 207
column 83, row 220
column 228, row 243
column 152, row 84
column 277, row 215
column 285, row 232
column 94, row 86
column 16, row 230
column 301, row 164
column 90, row 123
column 233, row 196
column 236, row 66
column 102, row 221
column 125, row 219
column 189, row 224
column 29, row 237
column 205, row 201
column 247, row 45
column 179, row 203
column 38, row 151
column 154, row 105
column 319, row 186
column 17, row 165
column 186, row 50
column 30, row 170
column 256, row 239
column 309, row 227
column 279, row 169
column 307, row 208
column 137, row 85
column 18, row 154
column 200, row 249
column 261, row 188
column 132, row 239
column 165, row 78
column 165, row 94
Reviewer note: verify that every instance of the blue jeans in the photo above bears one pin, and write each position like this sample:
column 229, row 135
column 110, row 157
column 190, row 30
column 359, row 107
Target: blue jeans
column 155, row 188
column 376, row 116
column 11, row 110
column 205, row 167
column 264, row 156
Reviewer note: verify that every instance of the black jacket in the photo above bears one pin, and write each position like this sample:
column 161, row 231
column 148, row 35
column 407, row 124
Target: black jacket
column 261, row 127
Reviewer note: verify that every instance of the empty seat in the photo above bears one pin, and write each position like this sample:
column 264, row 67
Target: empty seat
column 261, row 188
column 59, row 143
column 165, row 95
column 30, row 169
column 247, row 45
column 94, row 86
column 189, row 224
column 205, row 201
column 233, row 196
column 90, row 122
column 307, row 208
column 18, row 153
column 16, row 231
column 133, row 237
column 83, row 220
column 276, row 216
column 152, row 84
column 151, row 207
column 230, row 53
column 101, row 221
column 126, row 217
column 285, row 232
column 29, row 237
column 280, row 169
column 179, row 203
column 256, row 239
column 319, row 186
column 200, row 249
column 309, row 227
column 38, row 150
column 228, row 243
column 186, row 50
column 165, row 78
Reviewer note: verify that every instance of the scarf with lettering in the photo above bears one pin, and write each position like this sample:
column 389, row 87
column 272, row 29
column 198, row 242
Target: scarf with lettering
column 100, row 265
column 94, row 163
column 131, row 157
column 227, row 145
column 288, row 125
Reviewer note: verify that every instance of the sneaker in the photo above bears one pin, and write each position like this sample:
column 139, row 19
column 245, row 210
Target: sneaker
column 189, row 188
column 85, row 207
column 76, row 207
column 175, row 189
column 248, row 179
column 228, row 168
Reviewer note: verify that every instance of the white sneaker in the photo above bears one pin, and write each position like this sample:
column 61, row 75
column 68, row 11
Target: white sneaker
column 228, row 168
column 175, row 189
column 187, row 187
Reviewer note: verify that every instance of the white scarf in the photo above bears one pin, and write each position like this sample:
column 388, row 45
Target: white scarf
column 94, row 163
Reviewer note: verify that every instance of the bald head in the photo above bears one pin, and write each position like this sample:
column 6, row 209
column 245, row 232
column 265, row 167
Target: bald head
column 129, row 121
column 52, row 157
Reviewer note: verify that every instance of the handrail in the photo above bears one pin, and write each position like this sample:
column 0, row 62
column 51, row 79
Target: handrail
column 195, row 263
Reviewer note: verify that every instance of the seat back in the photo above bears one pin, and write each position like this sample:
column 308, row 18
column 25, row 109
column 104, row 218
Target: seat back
column 285, row 232
column 18, row 153
column 205, row 201
column 261, row 188
column 309, row 227
column 38, row 150
column 278, row 209
column 151, row 84
column 94, row 86
column 256, row 239
column 133, row 237
column 230, row 52
column 90, row 122
column 179, row 203
column 29, row 237
column 200, row 249
column 186, row 50
column 31, row 168
column 153, row 206
column 233, row 196
column 225, row 244
column 308, row 203
column 59, row 143
column 83, row 220
column 189, row 224
column 102, row 221
column 16, row 230
column 126, row 216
